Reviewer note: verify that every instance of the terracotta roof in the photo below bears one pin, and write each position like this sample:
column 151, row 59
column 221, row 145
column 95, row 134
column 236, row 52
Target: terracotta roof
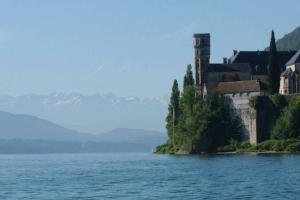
column 260, row 59
column 236, row 87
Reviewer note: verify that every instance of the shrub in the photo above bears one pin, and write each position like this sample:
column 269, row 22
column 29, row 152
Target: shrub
column 244, row 145
column 164, row 148
column 266, row 146
column 227, row 148
column 294, row 147
column 288, row 124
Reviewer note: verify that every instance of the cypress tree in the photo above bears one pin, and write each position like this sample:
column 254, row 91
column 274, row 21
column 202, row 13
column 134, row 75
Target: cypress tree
column 173, row 111
column 273, row 70
column 188, row 77
column 188, row 94
column 175, row 99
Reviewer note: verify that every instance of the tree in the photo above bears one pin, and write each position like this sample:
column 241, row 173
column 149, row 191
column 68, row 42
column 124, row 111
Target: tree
column 221, row 126
column 189, row 90
column 188, row 77
column 196, row 124
column 173, row 111
column 274, row 69
column 288, row 124
column 187, row 124
column 208, row 125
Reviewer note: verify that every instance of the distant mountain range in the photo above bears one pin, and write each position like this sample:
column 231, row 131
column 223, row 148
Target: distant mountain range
column 29, row 134
column 94, row 113
column 290, row 41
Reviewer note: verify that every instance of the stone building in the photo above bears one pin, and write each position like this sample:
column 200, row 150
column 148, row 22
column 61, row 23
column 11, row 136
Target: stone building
column 240, row 77
column 289, row 79
column 259, row 60
column 239, row 93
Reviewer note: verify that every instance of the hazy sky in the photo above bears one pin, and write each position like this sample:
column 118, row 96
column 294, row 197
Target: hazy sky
column 127, row 47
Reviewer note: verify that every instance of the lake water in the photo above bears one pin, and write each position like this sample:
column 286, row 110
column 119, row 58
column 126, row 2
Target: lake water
column 147, row 176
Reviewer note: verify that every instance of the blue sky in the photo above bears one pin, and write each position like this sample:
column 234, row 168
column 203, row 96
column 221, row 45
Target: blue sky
column 125, row 47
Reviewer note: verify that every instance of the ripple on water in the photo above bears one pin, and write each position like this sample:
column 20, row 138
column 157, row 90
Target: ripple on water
column 147, row 176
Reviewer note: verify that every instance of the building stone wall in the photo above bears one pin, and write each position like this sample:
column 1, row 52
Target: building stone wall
column 294, row 67
column 284, row 85
column 262, row 78
column 290, row 80
column 255, row 122
column 227, row 76
column 201, row 44
column 240, row 106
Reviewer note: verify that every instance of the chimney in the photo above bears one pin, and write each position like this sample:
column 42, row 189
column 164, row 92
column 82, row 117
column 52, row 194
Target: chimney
column 234, row 52
column 225, row 60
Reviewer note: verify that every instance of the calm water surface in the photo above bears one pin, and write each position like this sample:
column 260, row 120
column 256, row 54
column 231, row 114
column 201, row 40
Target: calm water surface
column 147, row 176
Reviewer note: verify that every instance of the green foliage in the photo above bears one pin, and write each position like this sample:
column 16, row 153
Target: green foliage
column 200, row 124
column 254, row 102
column 278, row 116
column 226, row 148
column 274, row 69
column 205, row 124
column 220, row 126
column 197, row 124
column 279, row 102
column 288, row 145
column 173, row 111
column 187, row 123
column 269, row 109
column 164, row 148
column 235, row 146
column 288, row 124
column 188, row 78
column 293, row 147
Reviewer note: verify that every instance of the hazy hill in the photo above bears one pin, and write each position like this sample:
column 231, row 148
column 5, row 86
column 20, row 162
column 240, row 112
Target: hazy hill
column 92, row 113
column 29, row 134
column 19, row 126
column 290, row 41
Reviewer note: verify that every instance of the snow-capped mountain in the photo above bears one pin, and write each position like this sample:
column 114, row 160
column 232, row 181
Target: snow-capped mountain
column 94, row 113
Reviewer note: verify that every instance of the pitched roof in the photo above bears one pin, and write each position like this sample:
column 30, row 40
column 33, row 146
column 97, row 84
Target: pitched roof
column 260, row 59
column 294, row 59
column 236, row 87
column 234, row 67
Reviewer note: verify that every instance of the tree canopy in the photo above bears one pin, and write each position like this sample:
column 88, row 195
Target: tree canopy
column 203, row 124
column 274, row 69
column 173, row 111
column 188, row 78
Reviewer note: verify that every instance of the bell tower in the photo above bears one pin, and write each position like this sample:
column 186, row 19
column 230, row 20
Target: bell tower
column 201, row 44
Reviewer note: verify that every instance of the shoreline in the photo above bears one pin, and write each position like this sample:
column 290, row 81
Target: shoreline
column 230, row 153
column 287, row 146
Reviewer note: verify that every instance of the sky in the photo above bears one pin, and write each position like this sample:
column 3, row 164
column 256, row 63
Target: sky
column 125, row 47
